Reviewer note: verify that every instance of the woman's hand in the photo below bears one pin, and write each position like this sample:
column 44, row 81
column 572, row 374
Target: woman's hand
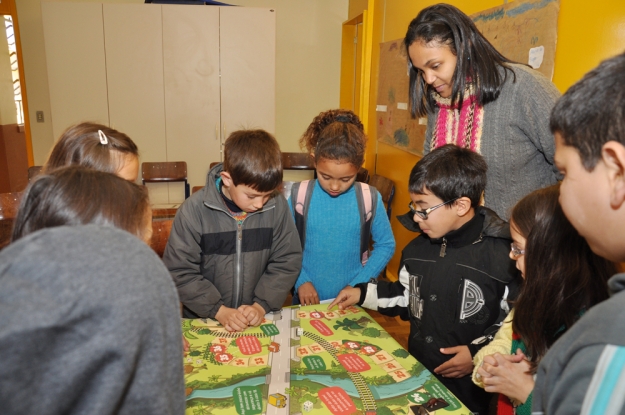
column 508, row 375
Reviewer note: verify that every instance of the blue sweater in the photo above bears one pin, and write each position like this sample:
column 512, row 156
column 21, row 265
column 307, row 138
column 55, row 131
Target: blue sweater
column 332, row 251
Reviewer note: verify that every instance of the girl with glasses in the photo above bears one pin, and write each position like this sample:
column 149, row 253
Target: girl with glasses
column 563, row 278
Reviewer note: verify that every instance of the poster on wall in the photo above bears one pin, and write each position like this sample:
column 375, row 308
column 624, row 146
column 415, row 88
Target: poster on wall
column 523, row 31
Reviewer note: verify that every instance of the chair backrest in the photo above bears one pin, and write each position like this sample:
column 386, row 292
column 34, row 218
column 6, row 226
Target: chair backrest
column 166, row 171
column 33, row 171
column 363, row 175
column 160, row 234
column 213, row 164
column 6, row 229
column 386, row 188
column 196, row 189
column 9, row 204
column 297, row 161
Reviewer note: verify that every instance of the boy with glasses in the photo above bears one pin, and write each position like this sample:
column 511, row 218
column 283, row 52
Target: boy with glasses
column 455, row 277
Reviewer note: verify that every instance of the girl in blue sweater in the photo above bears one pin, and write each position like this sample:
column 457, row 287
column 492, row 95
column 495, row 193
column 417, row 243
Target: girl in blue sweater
column 333, row 257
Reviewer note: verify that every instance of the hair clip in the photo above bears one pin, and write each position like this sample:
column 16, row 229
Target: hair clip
column 103, row 138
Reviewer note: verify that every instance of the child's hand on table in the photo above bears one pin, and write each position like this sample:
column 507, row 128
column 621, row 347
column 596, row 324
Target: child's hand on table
column 253, row 313
column 231, row 319
column 348, row 296
column 307, row 294
column 458, row 366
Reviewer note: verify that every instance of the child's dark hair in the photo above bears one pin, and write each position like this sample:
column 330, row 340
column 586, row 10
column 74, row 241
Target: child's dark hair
column 253, row 158
column 592, row 112
column 77, row 195
column 80, row 145
column 450, row 172
column 563, row 277
column 478, row 61
column 336, row 135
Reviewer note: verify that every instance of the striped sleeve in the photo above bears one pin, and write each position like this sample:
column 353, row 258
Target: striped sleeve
column 606, row 392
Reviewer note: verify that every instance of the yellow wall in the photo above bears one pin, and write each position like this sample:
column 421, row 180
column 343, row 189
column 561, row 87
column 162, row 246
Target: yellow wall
column 587, row 34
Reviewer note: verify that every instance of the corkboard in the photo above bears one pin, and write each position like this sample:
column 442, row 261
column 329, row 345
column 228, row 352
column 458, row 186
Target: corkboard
column 523, row 31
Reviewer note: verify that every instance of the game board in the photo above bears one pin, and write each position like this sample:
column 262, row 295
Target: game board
column 308, row 360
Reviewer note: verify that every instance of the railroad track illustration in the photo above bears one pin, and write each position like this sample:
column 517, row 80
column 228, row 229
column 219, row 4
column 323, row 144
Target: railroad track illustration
column 366, row 397
column 226, row 334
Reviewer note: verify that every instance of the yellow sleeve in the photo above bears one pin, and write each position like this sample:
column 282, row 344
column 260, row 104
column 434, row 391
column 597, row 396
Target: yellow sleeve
column 502, row 344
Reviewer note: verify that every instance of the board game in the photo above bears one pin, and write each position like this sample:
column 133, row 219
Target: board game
column 308, row 360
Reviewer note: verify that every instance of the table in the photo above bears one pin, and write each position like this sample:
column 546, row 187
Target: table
column 308, row 360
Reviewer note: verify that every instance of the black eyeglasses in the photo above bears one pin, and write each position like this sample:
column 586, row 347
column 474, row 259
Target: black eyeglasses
column 423, row 214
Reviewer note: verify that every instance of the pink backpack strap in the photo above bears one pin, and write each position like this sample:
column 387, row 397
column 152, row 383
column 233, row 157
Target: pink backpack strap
column 301, row 197
column 366, row 198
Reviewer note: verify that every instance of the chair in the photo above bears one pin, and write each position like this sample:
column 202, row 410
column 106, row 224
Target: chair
column 33, row 171
column 297, row 161
column 160, row 234
column 165, row 172
column 9, row 204
column 196, row 189
column 362, row 175
column 386, row 188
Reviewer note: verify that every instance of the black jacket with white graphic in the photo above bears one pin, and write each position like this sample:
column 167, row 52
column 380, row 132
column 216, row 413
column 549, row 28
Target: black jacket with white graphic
column 453, row 290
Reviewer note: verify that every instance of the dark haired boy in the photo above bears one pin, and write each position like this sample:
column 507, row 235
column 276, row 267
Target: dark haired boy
column 234, row 252
column 454, row 277
column 584, row 371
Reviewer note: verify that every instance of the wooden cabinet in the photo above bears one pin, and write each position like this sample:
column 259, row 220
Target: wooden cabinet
column 176, row 78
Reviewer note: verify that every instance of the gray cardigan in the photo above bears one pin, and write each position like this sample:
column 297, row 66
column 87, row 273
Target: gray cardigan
column 516, row 141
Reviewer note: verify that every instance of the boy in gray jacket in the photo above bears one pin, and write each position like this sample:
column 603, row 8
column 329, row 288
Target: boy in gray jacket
column 234, row 252
column 584, row 371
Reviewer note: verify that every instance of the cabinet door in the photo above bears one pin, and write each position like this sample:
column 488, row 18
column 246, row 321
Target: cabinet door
column 191, row 71
column 74, row 40
column 248, row 56
column 134, row 66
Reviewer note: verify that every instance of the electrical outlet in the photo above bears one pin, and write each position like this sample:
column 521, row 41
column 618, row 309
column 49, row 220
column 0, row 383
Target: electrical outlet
column 39, row 116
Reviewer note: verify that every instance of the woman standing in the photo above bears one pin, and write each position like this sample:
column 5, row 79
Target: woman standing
column 476, row 98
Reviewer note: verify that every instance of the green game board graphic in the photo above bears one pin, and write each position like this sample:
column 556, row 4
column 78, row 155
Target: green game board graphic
column 308, row 360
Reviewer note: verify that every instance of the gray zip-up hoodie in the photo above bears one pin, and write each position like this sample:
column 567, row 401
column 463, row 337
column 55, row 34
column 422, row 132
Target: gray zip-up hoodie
column 584, row 371
column 215, row 261
column 89, row 324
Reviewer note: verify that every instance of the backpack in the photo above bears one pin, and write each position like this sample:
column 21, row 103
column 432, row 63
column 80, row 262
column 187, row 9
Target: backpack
column 367, row 196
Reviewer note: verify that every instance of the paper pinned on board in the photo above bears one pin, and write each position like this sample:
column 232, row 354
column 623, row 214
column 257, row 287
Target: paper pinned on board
column 402, row 105
column 536, row 57
column 380, row 108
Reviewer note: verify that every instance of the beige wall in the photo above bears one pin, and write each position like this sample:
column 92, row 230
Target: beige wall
column 308, row 55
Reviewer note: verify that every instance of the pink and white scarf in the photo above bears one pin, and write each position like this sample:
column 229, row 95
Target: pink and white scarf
column 462, row 127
